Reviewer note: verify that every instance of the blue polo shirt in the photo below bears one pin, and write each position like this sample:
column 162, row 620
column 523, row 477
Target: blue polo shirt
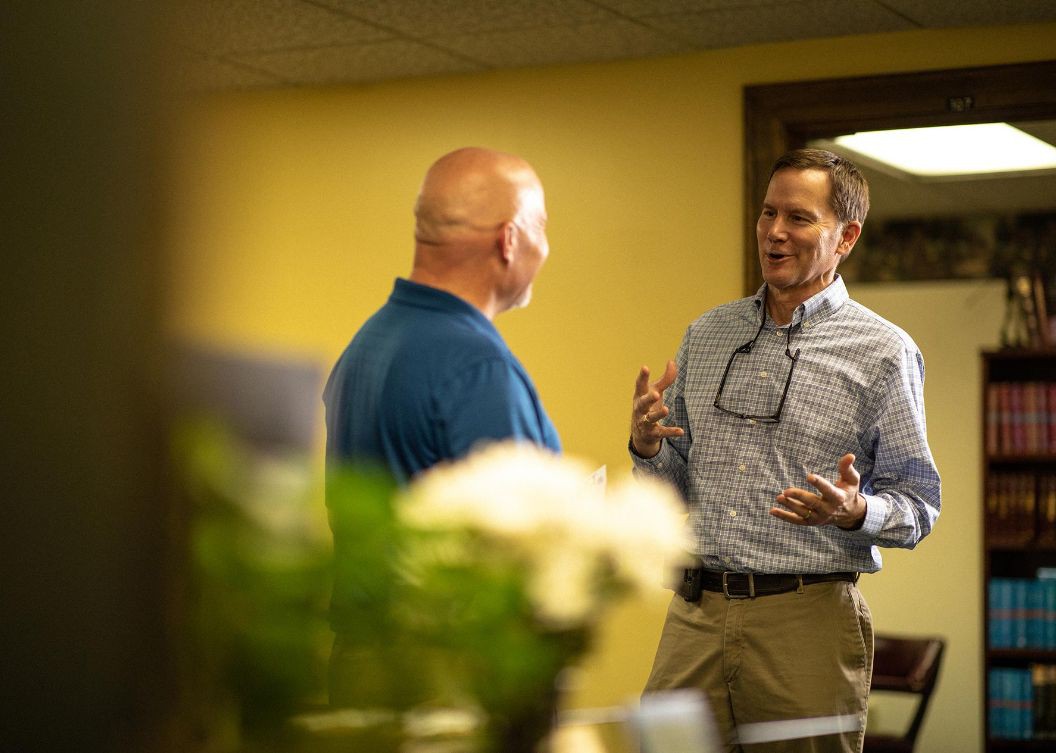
column 426, row 379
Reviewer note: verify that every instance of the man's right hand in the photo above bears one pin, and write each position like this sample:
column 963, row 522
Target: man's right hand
column 648, row 408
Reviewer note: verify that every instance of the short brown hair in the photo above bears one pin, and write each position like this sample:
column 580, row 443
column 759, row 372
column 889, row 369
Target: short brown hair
column 850, row 191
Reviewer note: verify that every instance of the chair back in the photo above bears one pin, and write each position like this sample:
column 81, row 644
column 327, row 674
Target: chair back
column 904, row 665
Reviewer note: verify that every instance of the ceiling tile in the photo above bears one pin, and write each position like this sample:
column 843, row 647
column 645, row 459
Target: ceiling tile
column 943, row 13
column 639, row 8
column 318, row 36
column 613, row 40
column 426, row 18
column 226, row 26
column 360, row 63
column 199, row 73
column 808, row 19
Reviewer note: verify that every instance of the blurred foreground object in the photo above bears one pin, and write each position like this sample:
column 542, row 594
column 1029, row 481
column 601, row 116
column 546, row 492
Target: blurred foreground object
column 676, row 721
column 86, row 662
column 255, row 614
column 458, row 601
column 475, row 587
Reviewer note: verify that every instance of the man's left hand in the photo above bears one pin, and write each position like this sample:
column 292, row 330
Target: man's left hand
column 838, row 504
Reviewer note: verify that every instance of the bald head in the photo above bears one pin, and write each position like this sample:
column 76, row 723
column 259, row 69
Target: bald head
column 471, row 191
column 480, row 228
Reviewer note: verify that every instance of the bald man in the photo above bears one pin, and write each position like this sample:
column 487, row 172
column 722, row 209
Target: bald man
column 428, row 377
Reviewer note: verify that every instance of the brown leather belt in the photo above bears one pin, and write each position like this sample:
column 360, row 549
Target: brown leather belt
column 749, row 585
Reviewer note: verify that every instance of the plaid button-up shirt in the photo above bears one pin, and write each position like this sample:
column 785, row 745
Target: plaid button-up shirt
column 857, row 387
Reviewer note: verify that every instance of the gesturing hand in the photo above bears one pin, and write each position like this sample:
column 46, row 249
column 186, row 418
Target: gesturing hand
column 648, row 408
column 837, row 504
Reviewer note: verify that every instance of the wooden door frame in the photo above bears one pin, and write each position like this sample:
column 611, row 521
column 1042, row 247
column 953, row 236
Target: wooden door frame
column 783, row 116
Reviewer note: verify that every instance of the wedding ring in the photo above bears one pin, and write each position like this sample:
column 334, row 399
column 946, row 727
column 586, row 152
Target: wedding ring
column 808, row 514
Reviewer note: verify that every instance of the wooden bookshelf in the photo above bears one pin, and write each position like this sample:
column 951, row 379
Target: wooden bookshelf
column 1019, row 540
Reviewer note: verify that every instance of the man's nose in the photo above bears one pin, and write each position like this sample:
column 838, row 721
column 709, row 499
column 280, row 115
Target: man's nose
column 776, row 231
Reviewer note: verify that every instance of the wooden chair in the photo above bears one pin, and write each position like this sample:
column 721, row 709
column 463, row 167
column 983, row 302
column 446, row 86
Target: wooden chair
column 904, row 665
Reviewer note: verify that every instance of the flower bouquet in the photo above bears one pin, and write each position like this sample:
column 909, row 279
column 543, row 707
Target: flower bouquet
column 478, row 584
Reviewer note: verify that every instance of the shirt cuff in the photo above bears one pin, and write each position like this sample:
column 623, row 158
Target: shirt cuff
column 875, row 515
column 656, row 464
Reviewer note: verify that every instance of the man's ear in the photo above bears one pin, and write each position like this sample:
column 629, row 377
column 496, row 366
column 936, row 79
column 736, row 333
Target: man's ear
column 849, row 235
column 505, row 241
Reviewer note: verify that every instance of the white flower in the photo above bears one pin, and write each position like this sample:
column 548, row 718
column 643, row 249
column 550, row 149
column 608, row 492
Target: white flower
column 562, row 585
column 510, row 489
column 543, row 511
column 646, row 528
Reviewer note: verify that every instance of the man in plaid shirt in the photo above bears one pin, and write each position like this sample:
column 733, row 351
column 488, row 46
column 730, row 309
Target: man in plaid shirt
column 792, row 422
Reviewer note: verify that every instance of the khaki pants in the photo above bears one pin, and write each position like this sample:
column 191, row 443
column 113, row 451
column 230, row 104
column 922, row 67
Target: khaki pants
column 780, row 657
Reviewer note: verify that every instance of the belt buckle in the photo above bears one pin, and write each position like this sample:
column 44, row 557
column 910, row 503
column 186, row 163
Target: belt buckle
column 726, row 585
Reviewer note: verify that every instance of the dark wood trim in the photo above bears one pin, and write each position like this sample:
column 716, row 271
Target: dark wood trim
column 784, row 116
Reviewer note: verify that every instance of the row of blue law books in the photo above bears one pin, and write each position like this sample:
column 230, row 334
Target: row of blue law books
column 1021, row 613
column 1022, row 702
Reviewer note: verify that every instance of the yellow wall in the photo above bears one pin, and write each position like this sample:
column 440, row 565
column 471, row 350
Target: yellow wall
column 293, row 215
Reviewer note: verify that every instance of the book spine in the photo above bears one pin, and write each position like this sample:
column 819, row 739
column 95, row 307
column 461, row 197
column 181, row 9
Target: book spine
column 1035, row 614
column 1000, row 613
column 1019, row 436
column 998, row 704
column 1004, row 402
column 1048, row 586
column 992, row 419
column 1025, row 704
column 1027, row 522
column 1050, row 412
column 1042, row 681
column 1030, row 417
column 1019, row 613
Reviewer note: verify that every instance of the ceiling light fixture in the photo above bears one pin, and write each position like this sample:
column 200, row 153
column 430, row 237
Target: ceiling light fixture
column 953, row 151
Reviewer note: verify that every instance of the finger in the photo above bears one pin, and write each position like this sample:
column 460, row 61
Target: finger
column 641, row 384
column 798, row 501
column 789, row 516
column 825, row 488
column 644, row 403
column 654, row 416
column 848, row 473
column 798, row 497
column 668, row 378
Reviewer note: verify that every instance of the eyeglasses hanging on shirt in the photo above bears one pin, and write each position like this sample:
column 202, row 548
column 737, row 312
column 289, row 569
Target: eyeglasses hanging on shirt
column 745, row 350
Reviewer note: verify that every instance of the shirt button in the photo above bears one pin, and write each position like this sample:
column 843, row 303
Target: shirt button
column 733, row 513
column 763, row 374
column 751, row 420
column 742, row 467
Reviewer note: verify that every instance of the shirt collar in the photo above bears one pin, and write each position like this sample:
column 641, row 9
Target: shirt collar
column 415, row 294
column 816, row 308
